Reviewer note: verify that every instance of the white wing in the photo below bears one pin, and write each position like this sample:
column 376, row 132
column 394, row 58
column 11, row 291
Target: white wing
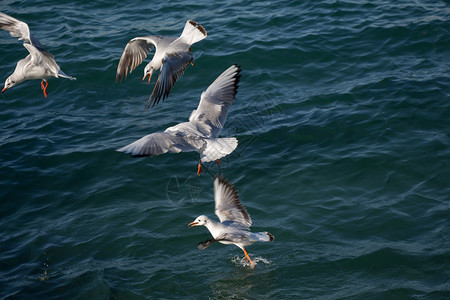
column 162, row 142
column 134, row 54
column 228, row 206
column 18, row 29
column 40, row 57
column 212, row 111
column 174, row 65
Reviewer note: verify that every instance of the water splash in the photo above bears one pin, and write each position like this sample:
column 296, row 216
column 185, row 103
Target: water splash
column 243, row 262
column 44, row 275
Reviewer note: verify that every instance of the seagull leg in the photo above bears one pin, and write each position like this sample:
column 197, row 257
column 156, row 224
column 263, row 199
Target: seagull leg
column 44, row 87
column 218, row 162
column 248, row 257
column 200, row 170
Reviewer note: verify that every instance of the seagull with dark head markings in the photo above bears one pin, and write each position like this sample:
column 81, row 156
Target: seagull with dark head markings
column 201, row 133
column 39, row 64
column 172, row 56
column 235, row 222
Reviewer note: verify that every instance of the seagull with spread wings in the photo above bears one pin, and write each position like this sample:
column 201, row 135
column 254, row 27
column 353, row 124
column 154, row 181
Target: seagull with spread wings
column 172, row 56
column 201, row 133
column 39, row 64
column 235, row 222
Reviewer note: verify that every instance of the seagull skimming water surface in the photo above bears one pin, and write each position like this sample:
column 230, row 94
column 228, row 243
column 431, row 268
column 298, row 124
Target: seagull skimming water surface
column 235, row 222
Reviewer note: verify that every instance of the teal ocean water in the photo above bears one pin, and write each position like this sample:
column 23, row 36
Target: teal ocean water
column 343, row 122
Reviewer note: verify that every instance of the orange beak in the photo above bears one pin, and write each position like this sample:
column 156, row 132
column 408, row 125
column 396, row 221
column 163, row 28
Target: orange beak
column 192, row 224
column 149, row 77
column 4, row 90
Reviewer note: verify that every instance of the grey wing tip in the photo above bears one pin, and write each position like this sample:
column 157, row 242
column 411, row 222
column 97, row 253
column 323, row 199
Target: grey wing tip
column 121, row 74
column 154, row 99
column 130, row 152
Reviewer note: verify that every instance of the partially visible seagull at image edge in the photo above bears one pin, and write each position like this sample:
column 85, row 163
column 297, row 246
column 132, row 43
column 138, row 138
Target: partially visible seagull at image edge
column 172, row 56
column 235, row 222
column 39, row 64
column 201, row 133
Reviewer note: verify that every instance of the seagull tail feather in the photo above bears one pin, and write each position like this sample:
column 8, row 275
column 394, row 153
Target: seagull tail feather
column 193, row 32
column 262, row 237
column 218, row 148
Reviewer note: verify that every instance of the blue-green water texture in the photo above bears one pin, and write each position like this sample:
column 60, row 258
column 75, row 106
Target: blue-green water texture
column 343, row 122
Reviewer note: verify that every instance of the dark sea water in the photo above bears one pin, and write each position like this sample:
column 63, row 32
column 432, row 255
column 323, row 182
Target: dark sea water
column 343, row 122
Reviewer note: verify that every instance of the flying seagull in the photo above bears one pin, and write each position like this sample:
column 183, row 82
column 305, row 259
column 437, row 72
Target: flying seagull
column 39, row 64
column 172, row 56
column 235, row 222
column 201, row 133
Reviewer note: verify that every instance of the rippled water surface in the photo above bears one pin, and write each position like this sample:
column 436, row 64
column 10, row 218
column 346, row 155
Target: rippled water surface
column 343, row 122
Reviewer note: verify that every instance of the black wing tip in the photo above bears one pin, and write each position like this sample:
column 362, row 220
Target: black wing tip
column 271, row 237
column 222, row 179
column 237, row 77
column 135, row 155
column 140, row 155
column 205, row 244
column 226, row 182
column 237, row 201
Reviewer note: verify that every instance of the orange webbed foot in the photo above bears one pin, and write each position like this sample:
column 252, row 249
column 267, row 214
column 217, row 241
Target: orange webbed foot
column 199, row 169
column 44, row 88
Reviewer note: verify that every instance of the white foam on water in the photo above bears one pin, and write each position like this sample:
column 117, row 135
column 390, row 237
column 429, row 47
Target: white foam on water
column 243, row 262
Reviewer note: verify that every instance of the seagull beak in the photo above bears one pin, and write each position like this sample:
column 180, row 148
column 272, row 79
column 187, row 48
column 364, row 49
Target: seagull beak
column 192, row 224
column 149, row 77
column 4, row 89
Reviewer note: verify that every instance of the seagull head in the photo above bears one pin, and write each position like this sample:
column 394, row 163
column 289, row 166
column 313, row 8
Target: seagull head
column 200, row 221
column 9, row 83
column 148, row 71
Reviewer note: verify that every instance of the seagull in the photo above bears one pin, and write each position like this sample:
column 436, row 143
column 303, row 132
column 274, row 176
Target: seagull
column 201, row 132
column 39, row 64
column 235, row 222
column 172, row 56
